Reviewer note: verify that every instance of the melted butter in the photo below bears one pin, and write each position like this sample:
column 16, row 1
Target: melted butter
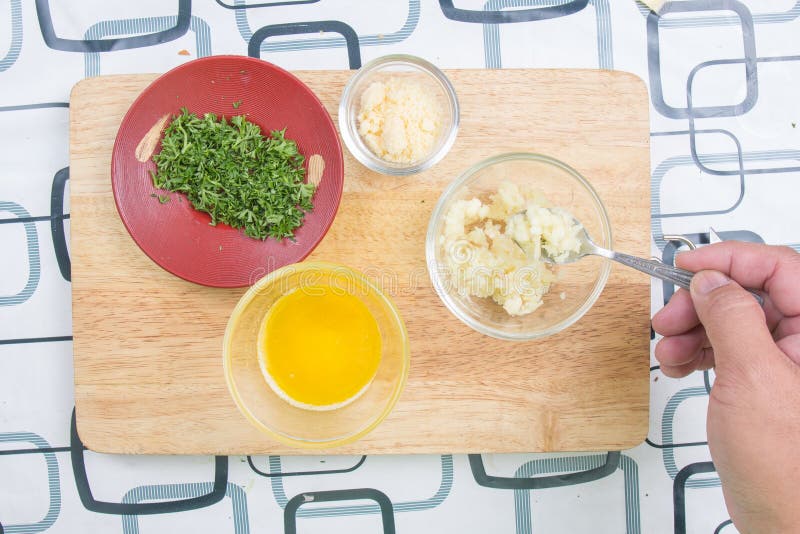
column 320, row 347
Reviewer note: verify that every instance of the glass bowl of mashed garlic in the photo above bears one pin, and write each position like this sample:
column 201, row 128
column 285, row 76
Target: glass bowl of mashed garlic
column 399, row 115
column 489, row 233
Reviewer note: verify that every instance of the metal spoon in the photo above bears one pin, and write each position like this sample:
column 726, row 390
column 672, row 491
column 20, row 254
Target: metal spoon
column 679, row 277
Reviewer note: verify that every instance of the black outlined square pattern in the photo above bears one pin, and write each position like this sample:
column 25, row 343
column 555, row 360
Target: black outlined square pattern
column 553, row 481
column 294, row 504
column 505, row 17
column 335, row 26
column 317, row 472
column 162, row 507
column 57, row 217
column 276, row 3
column 107, row 45
column 679, row 492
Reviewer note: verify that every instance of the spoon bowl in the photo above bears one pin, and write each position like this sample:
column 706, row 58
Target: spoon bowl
column 587, row 247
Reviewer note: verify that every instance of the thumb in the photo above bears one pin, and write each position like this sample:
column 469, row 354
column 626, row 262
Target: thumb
column 733, row 320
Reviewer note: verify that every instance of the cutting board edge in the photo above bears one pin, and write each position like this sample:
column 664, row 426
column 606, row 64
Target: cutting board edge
column 88, row 83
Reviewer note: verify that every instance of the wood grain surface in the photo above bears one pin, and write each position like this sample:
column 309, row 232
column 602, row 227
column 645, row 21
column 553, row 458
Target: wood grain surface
column 147, row 345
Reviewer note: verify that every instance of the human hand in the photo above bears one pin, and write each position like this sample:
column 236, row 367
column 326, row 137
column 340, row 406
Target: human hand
column 754, row 406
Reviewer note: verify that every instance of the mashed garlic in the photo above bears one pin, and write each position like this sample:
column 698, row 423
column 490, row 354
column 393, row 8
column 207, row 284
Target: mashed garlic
column 482, row 246
column 399, row 120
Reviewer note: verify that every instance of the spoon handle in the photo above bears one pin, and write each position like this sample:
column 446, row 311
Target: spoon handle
column 679, row 277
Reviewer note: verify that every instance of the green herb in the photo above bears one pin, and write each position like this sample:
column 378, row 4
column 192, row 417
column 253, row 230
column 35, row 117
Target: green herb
column 235, row 174
column 237, row 104
column 163, row 198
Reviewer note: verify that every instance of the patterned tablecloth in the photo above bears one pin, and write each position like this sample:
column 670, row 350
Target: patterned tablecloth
column 723, row 78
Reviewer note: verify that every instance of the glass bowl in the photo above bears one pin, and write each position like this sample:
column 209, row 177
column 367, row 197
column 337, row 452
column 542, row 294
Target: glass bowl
column 577, row 285
column 380, row 69
column 273, row 415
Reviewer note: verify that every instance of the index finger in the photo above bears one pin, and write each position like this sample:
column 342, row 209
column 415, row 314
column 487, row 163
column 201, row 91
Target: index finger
column 776, row 270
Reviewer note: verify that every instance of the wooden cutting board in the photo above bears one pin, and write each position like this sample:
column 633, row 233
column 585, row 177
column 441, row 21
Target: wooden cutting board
column 147, row 345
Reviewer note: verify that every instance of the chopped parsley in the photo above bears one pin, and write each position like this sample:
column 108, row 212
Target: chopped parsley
column 237, row 104
column 238, row 176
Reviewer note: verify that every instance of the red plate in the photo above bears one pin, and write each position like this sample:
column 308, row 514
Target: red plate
column 175, row 235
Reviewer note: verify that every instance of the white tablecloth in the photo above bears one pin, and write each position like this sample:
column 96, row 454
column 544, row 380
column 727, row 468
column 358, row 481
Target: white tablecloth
column 723, row 78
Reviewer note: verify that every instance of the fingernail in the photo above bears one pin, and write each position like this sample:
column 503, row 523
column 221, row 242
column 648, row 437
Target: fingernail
column 707, row 281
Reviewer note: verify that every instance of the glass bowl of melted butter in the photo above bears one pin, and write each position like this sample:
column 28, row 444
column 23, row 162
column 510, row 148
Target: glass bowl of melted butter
column 315, row 355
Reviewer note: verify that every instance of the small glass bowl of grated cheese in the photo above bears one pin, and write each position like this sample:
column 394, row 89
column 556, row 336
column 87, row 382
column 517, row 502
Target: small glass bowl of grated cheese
column 399, row 115
column 488, row 233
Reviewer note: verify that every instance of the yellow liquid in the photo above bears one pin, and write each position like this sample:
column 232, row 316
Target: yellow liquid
column 319, row 347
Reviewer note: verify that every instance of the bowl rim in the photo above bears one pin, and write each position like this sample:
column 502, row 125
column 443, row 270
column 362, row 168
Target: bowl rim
column 366, row 157
column 227, row 355
column 432, row 236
